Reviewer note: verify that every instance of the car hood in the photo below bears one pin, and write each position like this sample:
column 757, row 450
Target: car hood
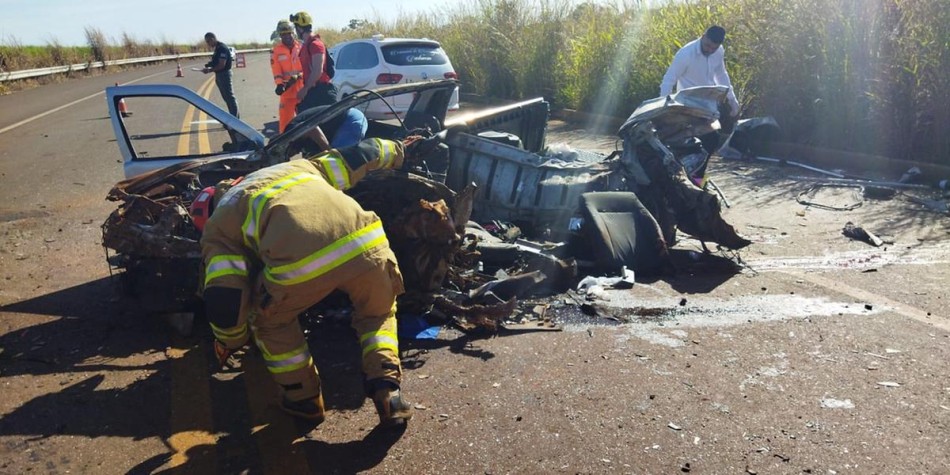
column 688, row 113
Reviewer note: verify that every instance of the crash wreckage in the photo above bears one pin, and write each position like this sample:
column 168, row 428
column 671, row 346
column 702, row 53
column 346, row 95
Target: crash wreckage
column 547, row 216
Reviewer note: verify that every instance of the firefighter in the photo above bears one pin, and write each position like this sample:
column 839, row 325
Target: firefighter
column 279, row 241
column 285, row 63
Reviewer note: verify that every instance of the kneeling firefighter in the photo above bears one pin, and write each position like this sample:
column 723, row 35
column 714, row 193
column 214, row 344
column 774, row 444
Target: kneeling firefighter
column 279, row 241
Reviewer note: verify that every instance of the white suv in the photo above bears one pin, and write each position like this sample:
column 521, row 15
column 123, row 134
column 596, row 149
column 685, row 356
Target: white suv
column 376, row 62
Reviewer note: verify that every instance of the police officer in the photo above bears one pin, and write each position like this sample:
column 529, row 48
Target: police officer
column 220, row 65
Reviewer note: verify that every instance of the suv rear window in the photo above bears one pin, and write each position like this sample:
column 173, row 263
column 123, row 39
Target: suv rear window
column 414, row 54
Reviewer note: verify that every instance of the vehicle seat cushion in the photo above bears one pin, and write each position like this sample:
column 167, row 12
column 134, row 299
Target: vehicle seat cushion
column 621, row 232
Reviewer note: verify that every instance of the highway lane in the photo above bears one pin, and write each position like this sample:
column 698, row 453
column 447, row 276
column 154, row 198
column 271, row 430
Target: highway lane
column 750, row 371
column 55, row 173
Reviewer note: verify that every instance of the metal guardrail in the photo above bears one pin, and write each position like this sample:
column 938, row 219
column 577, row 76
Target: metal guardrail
column 32, row 73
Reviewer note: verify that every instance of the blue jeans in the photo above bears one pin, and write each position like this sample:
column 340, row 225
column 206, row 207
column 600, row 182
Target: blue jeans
column 351, row 131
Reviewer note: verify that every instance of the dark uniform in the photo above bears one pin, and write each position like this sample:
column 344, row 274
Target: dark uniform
column 223, row 77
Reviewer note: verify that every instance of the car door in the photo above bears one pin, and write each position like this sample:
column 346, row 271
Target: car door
column 356, row 64
column 158, row 125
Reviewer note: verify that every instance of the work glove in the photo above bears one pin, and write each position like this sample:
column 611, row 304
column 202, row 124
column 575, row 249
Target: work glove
column 280, row 89
column 410, row 146
column 418, row 147
column 225, row 357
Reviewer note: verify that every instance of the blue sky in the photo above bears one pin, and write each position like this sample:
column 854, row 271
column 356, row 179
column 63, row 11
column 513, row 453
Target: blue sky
column 37, row 22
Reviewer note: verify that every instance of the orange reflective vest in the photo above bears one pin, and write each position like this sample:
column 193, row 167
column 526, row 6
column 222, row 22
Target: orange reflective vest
column 285, row 64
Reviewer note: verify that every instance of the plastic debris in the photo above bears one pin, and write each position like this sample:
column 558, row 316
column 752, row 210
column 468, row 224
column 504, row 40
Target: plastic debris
column 830, row 403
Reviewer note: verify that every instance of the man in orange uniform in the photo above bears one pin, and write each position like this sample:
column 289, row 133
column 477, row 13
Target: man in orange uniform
column 288, row 74
column 283, row 238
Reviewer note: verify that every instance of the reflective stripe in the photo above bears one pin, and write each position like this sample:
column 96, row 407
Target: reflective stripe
column 328, row 258
column 252, row 234
column 225, row 264
column 235, row 333
column 379, row 340
column 336, row 170
column 287, row 362
column 387, row 157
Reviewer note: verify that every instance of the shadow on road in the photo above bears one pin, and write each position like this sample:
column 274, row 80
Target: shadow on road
column 776, row 185
column 92, row 330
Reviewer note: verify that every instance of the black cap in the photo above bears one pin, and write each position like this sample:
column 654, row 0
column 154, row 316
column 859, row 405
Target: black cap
column 716, row 34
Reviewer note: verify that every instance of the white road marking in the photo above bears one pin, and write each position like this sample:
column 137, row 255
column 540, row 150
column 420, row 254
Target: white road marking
column 77, row 101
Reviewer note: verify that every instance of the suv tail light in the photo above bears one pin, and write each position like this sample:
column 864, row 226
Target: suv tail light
column 451, row 75
column 387, row 78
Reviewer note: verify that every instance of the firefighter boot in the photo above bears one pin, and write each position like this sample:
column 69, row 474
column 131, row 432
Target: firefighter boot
column 391, row 407
column 310, row 408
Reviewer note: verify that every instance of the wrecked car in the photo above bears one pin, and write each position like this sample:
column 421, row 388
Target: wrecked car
column 154, row 241
column 620, row 210
column 548, row 213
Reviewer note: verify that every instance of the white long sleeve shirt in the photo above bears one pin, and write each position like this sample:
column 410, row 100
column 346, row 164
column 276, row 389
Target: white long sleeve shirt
column 691, row 68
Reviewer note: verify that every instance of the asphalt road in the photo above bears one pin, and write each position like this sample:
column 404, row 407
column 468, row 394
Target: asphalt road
column 821, row 355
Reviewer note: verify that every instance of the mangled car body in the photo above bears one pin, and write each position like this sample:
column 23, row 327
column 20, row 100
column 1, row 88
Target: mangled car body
column 608, row 212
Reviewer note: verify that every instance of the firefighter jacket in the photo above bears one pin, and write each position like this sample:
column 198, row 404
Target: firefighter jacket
column 241, row 251
column 285, row 64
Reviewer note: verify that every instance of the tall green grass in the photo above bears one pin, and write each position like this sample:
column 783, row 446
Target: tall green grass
column 15, row 56
column 863, row 75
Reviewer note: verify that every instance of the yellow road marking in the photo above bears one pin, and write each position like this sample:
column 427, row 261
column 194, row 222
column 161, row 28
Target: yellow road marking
column 192, row 428
column 184, row 140
column 204, row 146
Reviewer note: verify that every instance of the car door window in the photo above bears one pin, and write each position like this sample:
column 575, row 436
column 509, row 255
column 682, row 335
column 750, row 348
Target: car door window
column 169, row 127
column 358, row 56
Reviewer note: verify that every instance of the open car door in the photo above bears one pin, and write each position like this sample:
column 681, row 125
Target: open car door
column 159, row 125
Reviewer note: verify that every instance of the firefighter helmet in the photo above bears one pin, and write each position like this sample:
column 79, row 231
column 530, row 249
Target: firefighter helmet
column 284, row 27
column 301, row 19
column 201, row 208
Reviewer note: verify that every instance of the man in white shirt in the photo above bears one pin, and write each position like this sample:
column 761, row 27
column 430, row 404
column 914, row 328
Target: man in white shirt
column 700, row 63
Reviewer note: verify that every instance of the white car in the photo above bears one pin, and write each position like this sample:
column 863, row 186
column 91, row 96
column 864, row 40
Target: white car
column 377, row 62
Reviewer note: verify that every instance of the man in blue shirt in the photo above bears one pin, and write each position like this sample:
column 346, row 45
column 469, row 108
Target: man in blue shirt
column 343, row 130
column 220, row 65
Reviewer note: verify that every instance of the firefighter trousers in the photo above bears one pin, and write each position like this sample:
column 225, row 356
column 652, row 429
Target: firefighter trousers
column 373, row 293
